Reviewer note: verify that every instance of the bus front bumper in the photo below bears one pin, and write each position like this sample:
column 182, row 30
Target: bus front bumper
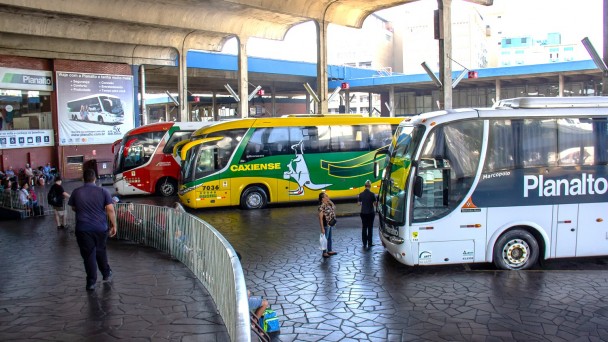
column 398, row 247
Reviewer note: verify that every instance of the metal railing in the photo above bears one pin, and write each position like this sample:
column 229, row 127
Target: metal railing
column 201, row 248
column 9, row 199
column 188, row 239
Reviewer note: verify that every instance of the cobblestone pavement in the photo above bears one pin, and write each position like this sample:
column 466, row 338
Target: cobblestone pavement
column 365, row 295
column 43, row 296
column 357, row 295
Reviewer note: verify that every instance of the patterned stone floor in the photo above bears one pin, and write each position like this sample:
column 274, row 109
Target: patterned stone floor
column 365, row 295
column 43, row 296
column 357, row 295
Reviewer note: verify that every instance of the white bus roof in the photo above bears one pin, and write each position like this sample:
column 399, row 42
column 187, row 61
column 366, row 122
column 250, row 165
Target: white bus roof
column 554, row 102
column 520, row 108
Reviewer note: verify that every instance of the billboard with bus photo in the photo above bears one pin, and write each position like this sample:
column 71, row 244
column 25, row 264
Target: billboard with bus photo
column 93, row 108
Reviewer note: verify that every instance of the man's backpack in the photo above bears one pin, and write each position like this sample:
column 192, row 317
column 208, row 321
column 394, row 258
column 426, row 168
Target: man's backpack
column 52, row 199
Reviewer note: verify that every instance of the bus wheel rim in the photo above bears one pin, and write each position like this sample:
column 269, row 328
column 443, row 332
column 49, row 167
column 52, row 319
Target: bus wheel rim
column 516, row 252
column 254, row 200
column 166, row 188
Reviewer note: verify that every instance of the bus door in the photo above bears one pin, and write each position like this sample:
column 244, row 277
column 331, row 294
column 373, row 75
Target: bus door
column 592, row 236
column 565, row 227
column 446, row 226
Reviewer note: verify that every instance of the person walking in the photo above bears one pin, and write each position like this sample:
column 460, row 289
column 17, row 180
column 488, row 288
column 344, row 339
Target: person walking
column 94, row 208
column 367, row 201
column 327, row 215
column 56, row 198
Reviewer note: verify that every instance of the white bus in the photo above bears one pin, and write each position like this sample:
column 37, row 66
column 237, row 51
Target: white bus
column 100, row 108
column 523, row 181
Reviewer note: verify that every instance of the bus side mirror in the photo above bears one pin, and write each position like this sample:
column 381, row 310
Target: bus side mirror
column 376, row 169
column 418, row 185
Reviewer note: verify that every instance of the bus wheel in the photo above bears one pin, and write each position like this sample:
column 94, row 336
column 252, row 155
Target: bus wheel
column 516, row 250
column 167, row 187
column 254, row 198
column 100, row 120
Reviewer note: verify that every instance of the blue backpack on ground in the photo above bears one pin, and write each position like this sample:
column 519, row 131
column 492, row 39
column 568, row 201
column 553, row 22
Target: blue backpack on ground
column 269, row 321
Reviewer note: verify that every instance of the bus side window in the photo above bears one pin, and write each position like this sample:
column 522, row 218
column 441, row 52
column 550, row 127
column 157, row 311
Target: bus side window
column 309, row 136
column 538, row 142
column 324, row 139
column 575, row 142
column 278, row 139
column 600, row 132
column 501, row 146
column 448, row 164
column 255, row 146
column 361, row 137
column 380, row 136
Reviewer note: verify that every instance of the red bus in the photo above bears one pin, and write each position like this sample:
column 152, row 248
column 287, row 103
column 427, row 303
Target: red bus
column 143, row 160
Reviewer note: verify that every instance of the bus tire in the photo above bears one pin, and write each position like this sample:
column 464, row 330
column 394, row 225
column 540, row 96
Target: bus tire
column 166, row 187
column 254, row 198
column 516, row 250
column 100, row 119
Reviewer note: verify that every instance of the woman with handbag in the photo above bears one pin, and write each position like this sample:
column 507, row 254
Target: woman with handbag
column 327, row 220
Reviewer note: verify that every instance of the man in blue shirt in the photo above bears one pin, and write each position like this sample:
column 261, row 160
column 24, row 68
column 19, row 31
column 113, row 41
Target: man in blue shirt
column 94, row 208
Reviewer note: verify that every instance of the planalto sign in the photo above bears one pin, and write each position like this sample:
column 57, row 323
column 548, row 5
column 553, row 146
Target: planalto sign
column 585, row 184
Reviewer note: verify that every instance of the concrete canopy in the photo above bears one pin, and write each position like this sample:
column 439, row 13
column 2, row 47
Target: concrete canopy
column 161, row 32
column 119, row 25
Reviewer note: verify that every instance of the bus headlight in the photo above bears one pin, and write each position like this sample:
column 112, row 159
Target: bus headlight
column 393, row 239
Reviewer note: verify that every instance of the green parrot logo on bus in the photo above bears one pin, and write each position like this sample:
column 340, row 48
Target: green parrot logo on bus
column 298, row 170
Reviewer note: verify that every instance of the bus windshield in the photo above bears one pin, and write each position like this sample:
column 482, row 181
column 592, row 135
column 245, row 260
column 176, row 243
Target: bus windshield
column 136, row 150
column 207, row 158
column 111, row 104
column 392, row 194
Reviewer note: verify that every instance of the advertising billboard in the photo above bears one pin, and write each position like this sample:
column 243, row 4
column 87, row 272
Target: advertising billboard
column 93, row 108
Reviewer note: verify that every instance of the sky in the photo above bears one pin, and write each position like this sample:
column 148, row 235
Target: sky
column 573, row 19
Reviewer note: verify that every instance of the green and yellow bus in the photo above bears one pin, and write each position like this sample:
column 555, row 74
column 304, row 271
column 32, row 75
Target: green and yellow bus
column 253, row 162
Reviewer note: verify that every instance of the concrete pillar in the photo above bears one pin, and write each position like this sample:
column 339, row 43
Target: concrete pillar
column 560, row 85
column 273, row 100
column 445, row 50
column 136, row 96
column 142, row 92
column 243, row 78
column 307, row 103
column 182, row 85
column 370, row 103
column 498, row 85
column 322, row 67
column 391, row 101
